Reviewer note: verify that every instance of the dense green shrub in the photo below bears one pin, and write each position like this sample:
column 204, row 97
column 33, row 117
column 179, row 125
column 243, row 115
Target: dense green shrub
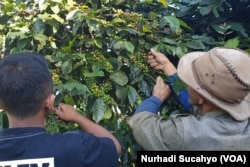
column 96, row 50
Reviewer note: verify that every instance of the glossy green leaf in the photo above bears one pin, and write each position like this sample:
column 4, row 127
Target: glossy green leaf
column 205, row 10
column 195, row 44
column 42, row 5
column 38, row 26
column 55, row 9
column 173, row 22
column 22, row 43
column 76, row 28
column 118, row 20
column 98, row 43
column 184, row 24
column 72, row 14
column 71, row 3
column 131, row 31
column 207, row 2
column 14, row 50
column 118, row 45
column 164, row 3
column 94, row 74
column 74, row 85
column 119, row 77
column 129, row 46
column 232, row 43
column 108, row 113
column 8, row 7
column 218, row 29
column 98, row 110
column 16, row 35
column 89, row 43
column 68, row 100
column 132, row 94
column 169, row 41
column 41, row 39
column 145, row 87
column 135, row 74
column 239, row 28
column 66, row 66
column 215, row 11
column 57, row 18
column 93, row 25
column 53, row 44
column 121, row 93
column 180, row 51
column 68, row 48
column 4, row 19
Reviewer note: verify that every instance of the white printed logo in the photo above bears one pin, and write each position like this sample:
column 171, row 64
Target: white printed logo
column 40, row 162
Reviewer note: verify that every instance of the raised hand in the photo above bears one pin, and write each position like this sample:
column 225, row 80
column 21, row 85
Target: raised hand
column 159, row 61
column 161, row 90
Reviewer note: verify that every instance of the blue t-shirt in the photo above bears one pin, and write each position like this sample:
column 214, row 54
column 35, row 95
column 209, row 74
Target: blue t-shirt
column 34, row 147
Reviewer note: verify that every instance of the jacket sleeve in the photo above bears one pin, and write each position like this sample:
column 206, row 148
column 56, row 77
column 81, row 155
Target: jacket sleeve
column 153, row 132
column 182, row 95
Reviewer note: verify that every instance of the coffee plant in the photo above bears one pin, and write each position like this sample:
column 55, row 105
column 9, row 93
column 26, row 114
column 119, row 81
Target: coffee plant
column 96, row 50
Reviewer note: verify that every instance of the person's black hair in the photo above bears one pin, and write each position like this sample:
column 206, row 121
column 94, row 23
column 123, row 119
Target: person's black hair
column 25, row 83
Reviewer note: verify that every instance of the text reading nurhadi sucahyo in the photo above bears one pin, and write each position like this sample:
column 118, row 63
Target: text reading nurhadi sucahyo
column 184, row 158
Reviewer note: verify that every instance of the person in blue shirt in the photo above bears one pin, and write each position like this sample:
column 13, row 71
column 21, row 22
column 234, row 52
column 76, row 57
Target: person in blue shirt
column 26, row 94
